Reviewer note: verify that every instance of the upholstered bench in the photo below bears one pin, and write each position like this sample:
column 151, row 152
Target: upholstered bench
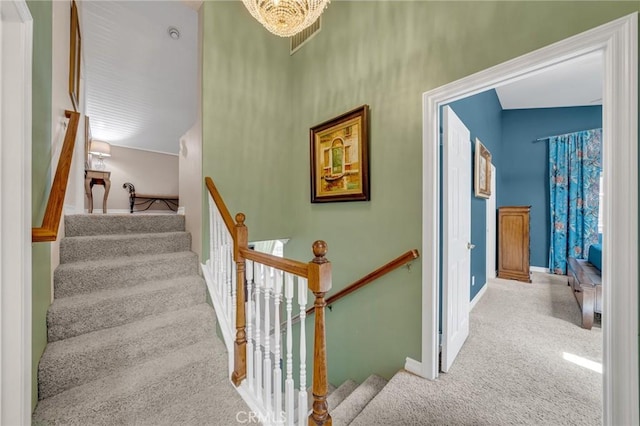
column 147, row 200
column 586, row 282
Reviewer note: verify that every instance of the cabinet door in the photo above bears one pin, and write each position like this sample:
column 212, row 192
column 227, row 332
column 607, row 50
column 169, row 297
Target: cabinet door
column 514, row 244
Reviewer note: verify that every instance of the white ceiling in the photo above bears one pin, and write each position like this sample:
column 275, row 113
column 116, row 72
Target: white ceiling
column 141, row 85
column 573, row 83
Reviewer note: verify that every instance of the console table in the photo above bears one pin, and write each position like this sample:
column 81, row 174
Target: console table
column 97, row 177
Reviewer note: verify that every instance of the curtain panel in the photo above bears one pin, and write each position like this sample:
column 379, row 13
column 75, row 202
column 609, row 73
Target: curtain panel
column 574, row 187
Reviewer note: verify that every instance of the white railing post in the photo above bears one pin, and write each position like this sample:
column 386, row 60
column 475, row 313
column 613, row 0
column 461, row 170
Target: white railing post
column 288, row 386
column 266, row 368
column 257, row 362
column 277, row 371
column 250, row 373
column 211, row 239
column 302, row 394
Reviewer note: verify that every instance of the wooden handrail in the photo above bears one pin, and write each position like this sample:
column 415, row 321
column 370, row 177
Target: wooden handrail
column 292, row 266
column 383, row 270
column 222, row 207
column 51, row 221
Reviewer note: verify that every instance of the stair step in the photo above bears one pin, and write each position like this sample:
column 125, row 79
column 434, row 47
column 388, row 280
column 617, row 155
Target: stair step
column 76, row 315
column 352, row 405
column 187, row 386
column 77, row 360
column 75, row 249
column 97, row 275
column 107, row 224
column 337, row 396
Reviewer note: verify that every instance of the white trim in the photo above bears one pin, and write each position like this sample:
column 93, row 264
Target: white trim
column 539, row 269
column 478, row 296
column 15, row 213
column 617, row 41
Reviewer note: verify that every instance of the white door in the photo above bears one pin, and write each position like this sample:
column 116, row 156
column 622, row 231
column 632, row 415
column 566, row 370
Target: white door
column 491, row 228
column 456, row 221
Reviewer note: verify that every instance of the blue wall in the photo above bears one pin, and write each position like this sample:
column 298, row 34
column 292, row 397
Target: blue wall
column 482, row 115
column 524, row 170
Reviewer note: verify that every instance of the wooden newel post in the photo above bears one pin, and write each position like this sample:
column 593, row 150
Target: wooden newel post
column 320, row 284
column 240, row 347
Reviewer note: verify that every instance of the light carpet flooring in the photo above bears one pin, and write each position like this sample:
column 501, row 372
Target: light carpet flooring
column 511, row 369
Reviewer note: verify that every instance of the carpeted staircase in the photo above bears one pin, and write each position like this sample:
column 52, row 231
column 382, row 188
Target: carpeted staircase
column 131, row 337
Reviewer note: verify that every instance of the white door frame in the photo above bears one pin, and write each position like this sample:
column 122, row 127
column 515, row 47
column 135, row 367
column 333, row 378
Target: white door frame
column 618, row 42
column 491, row 229
column 15, row 213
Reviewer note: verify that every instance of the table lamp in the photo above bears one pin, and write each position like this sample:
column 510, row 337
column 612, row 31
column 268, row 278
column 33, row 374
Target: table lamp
column 101, row 149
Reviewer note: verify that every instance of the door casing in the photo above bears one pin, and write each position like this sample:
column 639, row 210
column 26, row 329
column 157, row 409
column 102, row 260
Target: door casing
column 618, row 43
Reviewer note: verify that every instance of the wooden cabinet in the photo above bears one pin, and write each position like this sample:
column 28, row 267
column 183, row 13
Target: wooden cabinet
column 513, row 243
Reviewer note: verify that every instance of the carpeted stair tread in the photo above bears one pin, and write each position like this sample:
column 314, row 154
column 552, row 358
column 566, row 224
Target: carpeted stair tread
column 189, row 386
column 75, row 315
column 97, row 275
column 337, row 396
column 101, row 224
column 352, row 405
column 75, row 249
column 77, row 360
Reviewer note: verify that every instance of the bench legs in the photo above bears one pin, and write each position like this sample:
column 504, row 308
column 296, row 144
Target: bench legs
column 588, row 306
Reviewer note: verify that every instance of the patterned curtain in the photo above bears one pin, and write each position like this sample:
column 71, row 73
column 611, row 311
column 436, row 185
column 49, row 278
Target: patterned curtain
column 574, row 184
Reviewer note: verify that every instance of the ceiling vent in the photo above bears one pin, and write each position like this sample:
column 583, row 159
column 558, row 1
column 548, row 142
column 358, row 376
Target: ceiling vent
column 298, row 40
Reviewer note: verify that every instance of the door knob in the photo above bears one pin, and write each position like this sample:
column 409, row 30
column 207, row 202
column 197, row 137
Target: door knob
column 470, row 246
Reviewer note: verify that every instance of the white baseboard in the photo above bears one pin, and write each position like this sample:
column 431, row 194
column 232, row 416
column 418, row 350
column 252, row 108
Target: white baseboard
column 478, row 296
column 539, row 269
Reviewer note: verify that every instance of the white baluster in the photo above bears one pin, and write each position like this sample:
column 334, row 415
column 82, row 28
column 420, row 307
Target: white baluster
column 302, row 395
column 248, row 310
column 234, row 295
column 277, row 371
column 259, row 279
column 222, row 265
column 266, row 368
column 229, row 270
column 288, row 384
column 211, row 239
column 219, row 265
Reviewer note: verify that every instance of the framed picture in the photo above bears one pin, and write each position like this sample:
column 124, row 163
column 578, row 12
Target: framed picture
column 339, row 158
column 87, row 143
column 75, row 54
column 482, row 175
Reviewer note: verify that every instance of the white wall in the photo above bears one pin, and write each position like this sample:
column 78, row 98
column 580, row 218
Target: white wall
column 190, row 179
column 150, row 173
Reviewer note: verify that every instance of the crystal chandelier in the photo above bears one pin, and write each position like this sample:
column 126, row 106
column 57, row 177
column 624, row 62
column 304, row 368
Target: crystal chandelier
column 286, row 18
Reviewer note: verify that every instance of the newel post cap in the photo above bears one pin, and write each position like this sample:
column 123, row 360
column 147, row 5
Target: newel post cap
column 319, row 269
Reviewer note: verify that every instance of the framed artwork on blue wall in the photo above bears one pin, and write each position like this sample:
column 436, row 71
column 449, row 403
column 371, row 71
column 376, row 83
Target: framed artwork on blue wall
column 482, row 171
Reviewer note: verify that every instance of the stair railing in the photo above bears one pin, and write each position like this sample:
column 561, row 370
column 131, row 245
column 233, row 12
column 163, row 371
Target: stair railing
column 53, row 213
column 404, row 259
column 247, row 289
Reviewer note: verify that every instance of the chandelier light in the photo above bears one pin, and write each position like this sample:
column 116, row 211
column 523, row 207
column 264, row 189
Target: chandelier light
column 286, row 18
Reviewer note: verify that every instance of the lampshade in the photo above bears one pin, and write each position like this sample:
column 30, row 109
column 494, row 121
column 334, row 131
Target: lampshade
column 100, row 148
column 286, row 18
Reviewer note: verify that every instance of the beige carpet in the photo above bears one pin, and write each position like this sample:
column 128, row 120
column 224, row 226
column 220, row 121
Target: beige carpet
column 511, row 369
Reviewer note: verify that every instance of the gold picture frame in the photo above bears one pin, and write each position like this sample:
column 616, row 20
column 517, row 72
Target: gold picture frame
column 340, row 158
column 482, row 172
column 75, row 55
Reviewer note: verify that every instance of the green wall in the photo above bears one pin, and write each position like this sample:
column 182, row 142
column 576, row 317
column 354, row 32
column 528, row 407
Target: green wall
column 384, row 54
column 41, row 181
column 246, row 118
